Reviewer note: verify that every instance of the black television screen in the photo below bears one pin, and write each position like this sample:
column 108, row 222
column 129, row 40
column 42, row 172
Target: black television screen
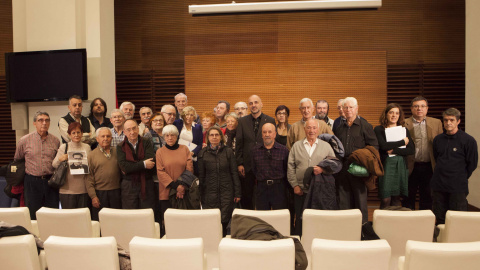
column 46, row 75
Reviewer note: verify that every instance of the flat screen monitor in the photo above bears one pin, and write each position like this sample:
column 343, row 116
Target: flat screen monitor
column 46, row 75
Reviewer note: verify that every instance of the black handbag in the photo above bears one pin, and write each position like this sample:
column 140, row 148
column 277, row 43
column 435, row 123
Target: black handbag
column 15, row 172
column 59, row 176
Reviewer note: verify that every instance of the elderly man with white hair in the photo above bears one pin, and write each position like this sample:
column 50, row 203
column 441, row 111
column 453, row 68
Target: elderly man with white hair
column 145, row 114
column 169, row 114
column 297, row 131
column 117, row 118
column 354, row 133
column 128, row 109
column 241, row 108
column 103, row 181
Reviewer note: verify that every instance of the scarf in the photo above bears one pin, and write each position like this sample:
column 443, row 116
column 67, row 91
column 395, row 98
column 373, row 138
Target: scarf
column 173, row 147
column 230, row 134
column 130, row 156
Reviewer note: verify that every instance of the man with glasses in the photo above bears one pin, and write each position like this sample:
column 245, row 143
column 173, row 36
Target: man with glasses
column 423, row 130
column 38, row 149
column 241, row 108
column 354, row 133
column 135, row 157
column 297, row 131
column 169, row 114
column 117, row 119
column 270, row 169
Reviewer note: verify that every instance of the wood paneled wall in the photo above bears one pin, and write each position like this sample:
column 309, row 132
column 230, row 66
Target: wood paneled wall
column 286, row 78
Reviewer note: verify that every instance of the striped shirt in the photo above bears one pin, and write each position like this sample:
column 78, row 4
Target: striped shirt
column 117, row 138
column 38, row 153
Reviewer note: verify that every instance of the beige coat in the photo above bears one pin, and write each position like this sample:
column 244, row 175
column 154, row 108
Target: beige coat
column 434, row 127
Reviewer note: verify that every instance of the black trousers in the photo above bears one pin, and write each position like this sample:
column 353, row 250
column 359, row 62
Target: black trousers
column 444, row 201
column 352, row 192
column 108, row 198
column 72, row 201
column 132, row 198
column 248, row 185
column 420, row 180
column 271, row 195
column 298, row 202
column 38, row 193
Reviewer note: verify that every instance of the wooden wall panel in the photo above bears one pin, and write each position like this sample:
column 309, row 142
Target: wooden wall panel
column 286, row 78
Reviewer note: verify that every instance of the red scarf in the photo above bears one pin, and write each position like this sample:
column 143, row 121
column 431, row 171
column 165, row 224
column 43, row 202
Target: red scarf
column 136, row 176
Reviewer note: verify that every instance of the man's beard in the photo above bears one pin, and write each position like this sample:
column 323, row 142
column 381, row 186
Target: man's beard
column 322, row 118
column 97, row 114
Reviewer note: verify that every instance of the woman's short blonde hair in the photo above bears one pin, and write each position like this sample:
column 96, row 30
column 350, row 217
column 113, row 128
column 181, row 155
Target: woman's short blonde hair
column 187, row 110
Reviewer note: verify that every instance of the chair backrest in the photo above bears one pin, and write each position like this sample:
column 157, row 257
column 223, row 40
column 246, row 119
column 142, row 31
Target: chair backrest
column 330, row 224
column 96, row 253
column 442, row 256
column 181, row 224
column 64, row 222
column 461, row 226
column 124, row 224
column 279, row 219
column 17, row 216
column 170, row 254
column 346, row 255
column 397, row 227
column 19, row 252
column 238, row 254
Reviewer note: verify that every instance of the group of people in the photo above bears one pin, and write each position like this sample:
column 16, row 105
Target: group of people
column 249, row 159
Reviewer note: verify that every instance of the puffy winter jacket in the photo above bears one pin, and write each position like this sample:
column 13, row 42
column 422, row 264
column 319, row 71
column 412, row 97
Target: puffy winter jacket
column 219, row 182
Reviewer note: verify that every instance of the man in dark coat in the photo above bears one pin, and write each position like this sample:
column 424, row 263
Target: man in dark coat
column 249, row 134
column 135, row 158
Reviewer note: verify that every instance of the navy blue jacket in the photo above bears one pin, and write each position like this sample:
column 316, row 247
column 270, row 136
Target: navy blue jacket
column 197, row 135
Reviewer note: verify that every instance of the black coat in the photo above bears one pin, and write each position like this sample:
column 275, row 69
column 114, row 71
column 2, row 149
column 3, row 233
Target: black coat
column 219, row 183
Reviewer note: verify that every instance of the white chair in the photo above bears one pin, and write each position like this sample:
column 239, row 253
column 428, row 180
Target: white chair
column 330, row 224
column 238, row 254
column 460, row 226
column 19, row 216
column 440, row 256
column 96, row 253
column 181, row 224
column 169, row 254
column 279, row 219
column 346, row 255
column 397, row 227
column 66, row 222
column 19, row 253
column 124, row 224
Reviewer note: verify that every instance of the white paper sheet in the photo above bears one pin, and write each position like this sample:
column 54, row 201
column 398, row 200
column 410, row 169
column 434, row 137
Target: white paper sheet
column 395, row 134
column 190, row 145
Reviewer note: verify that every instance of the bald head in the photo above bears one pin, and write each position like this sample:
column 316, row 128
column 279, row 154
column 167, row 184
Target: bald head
column 255, row 104
column 312, row 127
column 268, row 135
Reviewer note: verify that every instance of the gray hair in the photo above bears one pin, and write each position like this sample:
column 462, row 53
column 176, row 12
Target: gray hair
column 145, row 108
column 117, row 111
column 241, row 104
column 452, row 112
column 102, row 128
column 316, row 121
column 350, row 100
column 165, row 107
column 180, row 95
column 37, row 114
column 170, row 129
column 127, row 103
column 305, row 100
column 340, row 101
column 232, row 114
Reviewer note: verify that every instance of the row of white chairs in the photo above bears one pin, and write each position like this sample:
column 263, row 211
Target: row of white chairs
column 19, row 252
column 395, row 226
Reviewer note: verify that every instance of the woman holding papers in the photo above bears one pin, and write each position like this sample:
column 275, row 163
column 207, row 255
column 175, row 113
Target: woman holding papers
column 191, row 133
column 73, row 194
column 395, row 144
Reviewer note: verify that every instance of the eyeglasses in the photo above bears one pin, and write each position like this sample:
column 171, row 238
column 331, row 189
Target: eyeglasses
column 43, row 120
column 281, row 113
column 157, row 121
column 240, row 108
column 419, row 106
column 131, row 129
column 117, row 117
column 347, row 108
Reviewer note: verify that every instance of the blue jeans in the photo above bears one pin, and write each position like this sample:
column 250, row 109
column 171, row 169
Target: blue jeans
column 38, row 193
